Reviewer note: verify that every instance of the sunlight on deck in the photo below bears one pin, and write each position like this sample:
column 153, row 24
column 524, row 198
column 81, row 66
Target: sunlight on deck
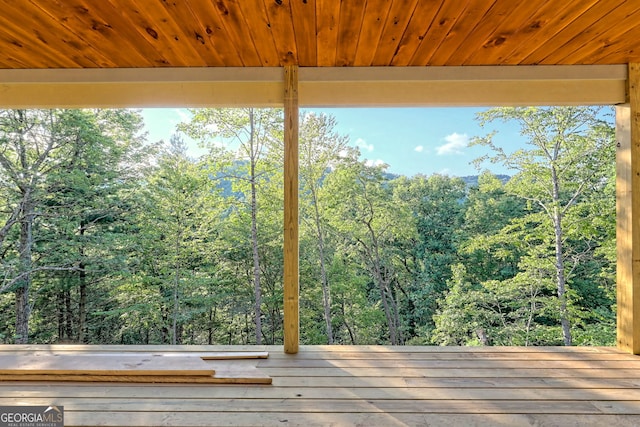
column 364, row 385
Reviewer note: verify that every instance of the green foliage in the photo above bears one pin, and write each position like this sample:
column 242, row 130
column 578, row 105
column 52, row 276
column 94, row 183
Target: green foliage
column 139, row 243
column 552, row 262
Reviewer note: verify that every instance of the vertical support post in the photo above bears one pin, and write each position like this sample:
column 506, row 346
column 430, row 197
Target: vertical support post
column 291, row 249
column 628, row 216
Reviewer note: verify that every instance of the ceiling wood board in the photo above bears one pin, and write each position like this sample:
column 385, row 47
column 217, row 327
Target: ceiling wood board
column 416, row 32
column 498, row 38
column 606, row 41
column 443, row 23
column 478, row 13
column 351, row 16
column 309, row 33
column 375, row 15
column 259, row 25
column 398, row 18
column 304, row 26
column 579, row 33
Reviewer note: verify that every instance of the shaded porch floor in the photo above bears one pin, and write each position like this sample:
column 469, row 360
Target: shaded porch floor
column 365, row 386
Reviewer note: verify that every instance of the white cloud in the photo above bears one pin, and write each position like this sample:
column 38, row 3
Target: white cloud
column 361, row 143
column 377, row 162
column 419, row 149
column 183, row 114
column 455, row 144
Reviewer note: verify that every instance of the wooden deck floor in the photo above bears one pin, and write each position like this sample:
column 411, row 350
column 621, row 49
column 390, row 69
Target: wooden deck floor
column 366, row 386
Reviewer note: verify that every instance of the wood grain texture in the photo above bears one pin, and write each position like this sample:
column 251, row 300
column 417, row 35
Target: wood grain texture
column 628, row 216
column 502, row 31
column 219, row 367
column 351, row 16
column 291, row 184
column 375, row 15
column 206, row 13
column 448, row 15
column 194, row 34
column 607, row 42
column 477, row 14
column 280, row 16
column 252, row 376
column 97, row 37
column 304, row 26
column 398, row 19
column 416, row 32
column 258, row 22
column 307, row 419
column 576, row 35
column 571, row 22
column 327, row 27
column 238, row 33
column 358, row 385
column 273, row 33
column 101, row 365
column 235, row 355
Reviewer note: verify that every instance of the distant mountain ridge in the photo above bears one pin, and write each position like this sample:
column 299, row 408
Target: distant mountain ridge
column 224, row 183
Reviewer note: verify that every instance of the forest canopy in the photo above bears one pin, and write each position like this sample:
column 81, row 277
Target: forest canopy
column 107, row 238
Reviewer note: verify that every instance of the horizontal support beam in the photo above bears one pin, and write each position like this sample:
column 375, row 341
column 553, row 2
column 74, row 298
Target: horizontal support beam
column 463, row 86
column 318, row 87
column 141, row 87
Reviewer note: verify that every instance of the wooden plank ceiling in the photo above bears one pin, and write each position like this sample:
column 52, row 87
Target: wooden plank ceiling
column 316, row 33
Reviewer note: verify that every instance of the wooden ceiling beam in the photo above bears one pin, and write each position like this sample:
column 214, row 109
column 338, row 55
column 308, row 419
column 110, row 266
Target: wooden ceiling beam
column 318, row 86
column 462, row 86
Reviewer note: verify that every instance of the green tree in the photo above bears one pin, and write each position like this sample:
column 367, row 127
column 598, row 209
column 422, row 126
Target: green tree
column 567, row 156
column 364, row 214
column 180, row 220
column 437, row 214
column 488, row 209
column 42, row 153
column 92, row 201
column 256, row 136
column 320, row 149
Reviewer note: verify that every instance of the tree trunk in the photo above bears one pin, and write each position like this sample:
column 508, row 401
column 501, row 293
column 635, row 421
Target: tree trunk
column 174, row 326
column 560, row 277
column 326, row 295
column 385, row 293
column 69, row 316
column 176, row 284
column 22, row 292
column 352, row 336
column 82, row 290
column 60, row 314
column 212, row 318
column 164, row 313
column 257, row 290
column 82, row 305
column 561, row 282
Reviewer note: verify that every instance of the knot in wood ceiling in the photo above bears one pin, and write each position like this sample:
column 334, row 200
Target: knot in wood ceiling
column 310, row 33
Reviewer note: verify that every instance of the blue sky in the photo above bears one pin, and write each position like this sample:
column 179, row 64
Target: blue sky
column 409, row 140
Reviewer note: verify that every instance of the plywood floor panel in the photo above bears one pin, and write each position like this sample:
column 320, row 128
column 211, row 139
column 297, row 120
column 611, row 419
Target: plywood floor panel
column 97, row 365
